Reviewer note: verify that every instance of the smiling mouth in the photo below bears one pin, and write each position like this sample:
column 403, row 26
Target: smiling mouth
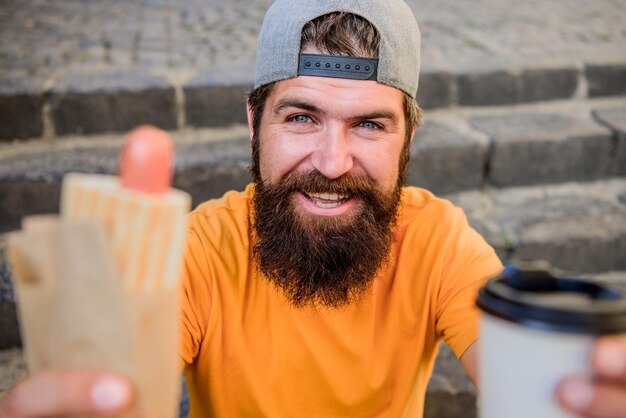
column 326, row 200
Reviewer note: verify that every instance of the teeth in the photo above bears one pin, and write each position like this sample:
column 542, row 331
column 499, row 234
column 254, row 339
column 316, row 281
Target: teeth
column 326, row 205
column 326, row 200
column 327, row 196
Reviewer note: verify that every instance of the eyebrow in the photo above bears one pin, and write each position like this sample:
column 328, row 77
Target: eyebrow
column 286, row 103
column 377, row 114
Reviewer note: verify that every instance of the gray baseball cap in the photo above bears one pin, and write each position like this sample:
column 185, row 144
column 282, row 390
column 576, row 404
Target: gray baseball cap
column 398, row 63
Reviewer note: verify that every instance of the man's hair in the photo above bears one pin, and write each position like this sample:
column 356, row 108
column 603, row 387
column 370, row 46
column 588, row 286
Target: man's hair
column 340, row 33
column 335, row 33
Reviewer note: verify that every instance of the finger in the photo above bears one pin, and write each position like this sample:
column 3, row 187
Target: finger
column 56, row 393
column 592, row 399
column 608, row 358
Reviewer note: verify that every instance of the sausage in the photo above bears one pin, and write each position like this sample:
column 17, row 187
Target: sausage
column 147, row 160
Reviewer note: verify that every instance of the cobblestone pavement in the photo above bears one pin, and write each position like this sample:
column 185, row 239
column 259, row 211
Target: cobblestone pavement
column 44, row 39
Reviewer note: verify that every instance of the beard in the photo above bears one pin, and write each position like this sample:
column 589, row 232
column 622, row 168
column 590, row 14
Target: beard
column 322, row 261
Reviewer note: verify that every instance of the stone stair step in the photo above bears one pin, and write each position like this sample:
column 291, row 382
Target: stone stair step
column 454, row 150
column 116, row 100
column 577, row 227
column 208, row 162
column 469, row 148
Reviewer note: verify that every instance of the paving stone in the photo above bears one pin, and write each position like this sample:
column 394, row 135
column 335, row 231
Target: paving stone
column 580, row 228
column 487, row 88
column 218, row 97
column 6, row 288
column 449, row 376
column 113, row 101
column 544, row 148
column 20, row 115
column 53, row 163
column 209, row 170
column 23, row 198
column 215, row 106
column 490, row 88
column 30, row 183
column 444, row 160
column 595, row 243
column 615, row 119
column 495, row 236
column 606, row 80
column 12, row 368
column 9, row 328
column 547, row 84
column 436, row 89
column 439, row 405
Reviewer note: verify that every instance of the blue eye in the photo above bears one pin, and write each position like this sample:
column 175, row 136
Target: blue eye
column 300, row 118
column 370, row 125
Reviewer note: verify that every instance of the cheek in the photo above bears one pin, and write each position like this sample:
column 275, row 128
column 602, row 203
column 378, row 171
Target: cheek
column 266, row 165
column 274, row 161
column 388, row 178
column 278, row 157
column 382, row 166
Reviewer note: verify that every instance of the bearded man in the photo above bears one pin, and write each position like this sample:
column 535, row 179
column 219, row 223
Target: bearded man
column 325, row 287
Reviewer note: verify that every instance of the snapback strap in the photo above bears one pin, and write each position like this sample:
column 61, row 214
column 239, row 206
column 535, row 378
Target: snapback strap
column 338, row 66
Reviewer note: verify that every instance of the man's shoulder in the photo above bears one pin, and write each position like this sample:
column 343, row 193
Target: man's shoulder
column 424, row 210
column 229, row 211
column 230, row 201
column 419, row 199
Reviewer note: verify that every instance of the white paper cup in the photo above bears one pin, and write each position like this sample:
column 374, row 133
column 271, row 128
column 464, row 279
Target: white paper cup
column 535, row 330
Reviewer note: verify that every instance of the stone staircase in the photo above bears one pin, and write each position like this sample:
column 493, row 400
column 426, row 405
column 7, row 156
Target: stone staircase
column 525, row 123
column 543, row 180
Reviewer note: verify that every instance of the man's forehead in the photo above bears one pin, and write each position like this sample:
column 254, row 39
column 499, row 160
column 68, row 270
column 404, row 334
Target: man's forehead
column 327, row 90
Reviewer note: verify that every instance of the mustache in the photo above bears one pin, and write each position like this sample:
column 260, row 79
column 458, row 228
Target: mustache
column 363, row 187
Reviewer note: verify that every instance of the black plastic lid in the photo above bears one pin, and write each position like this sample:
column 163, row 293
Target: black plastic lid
column 538, row 299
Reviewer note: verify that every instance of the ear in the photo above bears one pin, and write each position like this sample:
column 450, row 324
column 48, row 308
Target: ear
column 413, row 133
column 250, row 126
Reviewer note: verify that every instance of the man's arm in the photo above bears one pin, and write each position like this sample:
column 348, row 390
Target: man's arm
column 601, row 396
column 469, row 360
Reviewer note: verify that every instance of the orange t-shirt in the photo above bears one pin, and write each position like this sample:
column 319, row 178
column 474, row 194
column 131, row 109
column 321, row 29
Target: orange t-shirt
column 249, row 353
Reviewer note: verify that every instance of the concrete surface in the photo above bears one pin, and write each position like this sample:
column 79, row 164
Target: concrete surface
column 189, row 63
column 525, row 128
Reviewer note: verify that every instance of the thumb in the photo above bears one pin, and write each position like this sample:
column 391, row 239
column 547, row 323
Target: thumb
column 58, row 393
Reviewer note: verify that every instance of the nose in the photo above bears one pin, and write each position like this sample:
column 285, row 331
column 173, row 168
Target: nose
column 333, row 157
